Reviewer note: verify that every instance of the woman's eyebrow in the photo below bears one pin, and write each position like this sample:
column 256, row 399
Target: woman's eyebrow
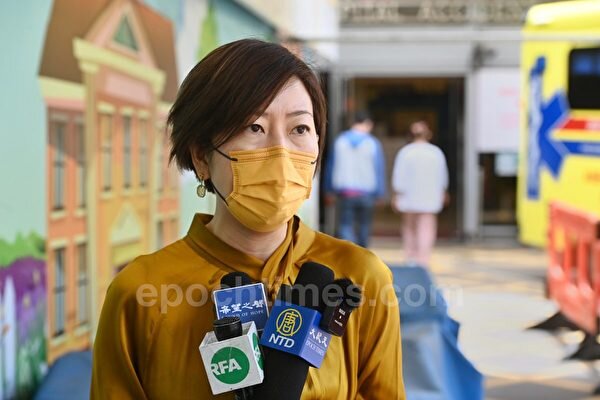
column 290, row 114
column 299, row 112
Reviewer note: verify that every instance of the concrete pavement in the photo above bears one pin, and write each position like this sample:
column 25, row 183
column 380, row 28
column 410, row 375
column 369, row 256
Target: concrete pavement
column 496, row 291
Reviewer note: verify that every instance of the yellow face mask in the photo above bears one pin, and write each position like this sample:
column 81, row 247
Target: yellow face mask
column 269, row 185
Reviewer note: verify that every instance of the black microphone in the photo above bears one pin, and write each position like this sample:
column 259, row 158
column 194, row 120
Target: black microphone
column 342, row 298
column 229, row 328
column 235, row 279
column 285, row 373
column 239, row 296
column 230, row 354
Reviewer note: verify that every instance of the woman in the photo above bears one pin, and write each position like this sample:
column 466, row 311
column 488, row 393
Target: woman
column 420, row 183
column 249, row 119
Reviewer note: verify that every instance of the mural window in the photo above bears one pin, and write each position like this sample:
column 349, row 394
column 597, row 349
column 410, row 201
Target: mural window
column 81, row 182
column 127, row 151
column 160, row 238
column 59, row 292
column 124, row 35
column 82, row 285
column 173, row 177
column 174, row 229
column 584, row 78
column 106, row 129
column 160, row 154
column 58, row 201
column 143, row 153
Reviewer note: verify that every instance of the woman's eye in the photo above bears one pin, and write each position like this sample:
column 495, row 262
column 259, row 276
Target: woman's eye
column 302, row 129
column 255, row 128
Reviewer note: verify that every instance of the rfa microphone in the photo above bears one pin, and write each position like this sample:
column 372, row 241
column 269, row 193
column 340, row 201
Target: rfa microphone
column 240, row 297
column 292, row 340
column 232, row 358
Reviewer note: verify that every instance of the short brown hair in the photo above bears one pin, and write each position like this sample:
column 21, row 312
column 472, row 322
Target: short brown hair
column 428, row 134
column 223, row 92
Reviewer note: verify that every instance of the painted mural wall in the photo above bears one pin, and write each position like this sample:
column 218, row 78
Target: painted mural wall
column 22, row 315
column 77, row 205
column 22, row 220
column 85, row 180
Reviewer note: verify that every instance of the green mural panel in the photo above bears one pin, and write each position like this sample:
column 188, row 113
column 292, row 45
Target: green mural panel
column 23, row 132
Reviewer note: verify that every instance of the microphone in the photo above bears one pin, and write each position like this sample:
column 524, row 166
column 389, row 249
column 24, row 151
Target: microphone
column 235, row 279
column 292, row 340
column 232, row 358
column 340, row 304
column 240, row 297
column 227, row 328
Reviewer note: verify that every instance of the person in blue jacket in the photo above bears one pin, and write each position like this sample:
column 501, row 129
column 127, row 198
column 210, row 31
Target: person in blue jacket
column 355, row 176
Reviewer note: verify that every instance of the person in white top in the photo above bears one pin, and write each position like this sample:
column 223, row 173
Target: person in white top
column 420, row 183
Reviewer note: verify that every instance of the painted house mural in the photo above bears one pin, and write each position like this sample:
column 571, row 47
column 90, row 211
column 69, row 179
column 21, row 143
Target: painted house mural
column 108, row 77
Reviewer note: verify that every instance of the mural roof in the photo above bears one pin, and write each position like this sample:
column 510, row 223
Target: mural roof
column 73, row 18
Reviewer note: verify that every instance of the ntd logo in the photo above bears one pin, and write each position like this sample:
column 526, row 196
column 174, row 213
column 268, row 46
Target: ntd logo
column 230, row 365
column 288, row 322
column 281, row 341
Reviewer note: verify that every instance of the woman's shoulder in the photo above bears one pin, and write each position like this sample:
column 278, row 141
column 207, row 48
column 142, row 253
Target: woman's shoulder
column 174, row 263
column 349, row 260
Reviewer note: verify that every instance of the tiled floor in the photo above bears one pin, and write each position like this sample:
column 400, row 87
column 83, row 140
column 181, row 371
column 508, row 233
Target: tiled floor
column 496, row 291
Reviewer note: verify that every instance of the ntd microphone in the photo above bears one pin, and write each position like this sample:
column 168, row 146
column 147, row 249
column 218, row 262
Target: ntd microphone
column 292, row 340
column 295, row 329
column 239, row 297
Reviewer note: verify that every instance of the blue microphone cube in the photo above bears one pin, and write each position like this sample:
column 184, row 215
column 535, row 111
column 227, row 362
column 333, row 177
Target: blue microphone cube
column 295, row 329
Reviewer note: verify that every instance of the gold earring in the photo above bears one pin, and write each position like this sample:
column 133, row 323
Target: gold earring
column 201, row 189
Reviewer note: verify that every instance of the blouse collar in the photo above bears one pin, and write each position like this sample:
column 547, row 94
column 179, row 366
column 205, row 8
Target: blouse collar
column 280, row 267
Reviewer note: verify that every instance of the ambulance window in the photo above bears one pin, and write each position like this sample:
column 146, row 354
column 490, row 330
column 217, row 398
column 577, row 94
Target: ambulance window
column 584, row 78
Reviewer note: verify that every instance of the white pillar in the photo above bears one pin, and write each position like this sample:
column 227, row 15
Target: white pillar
column 471, row 186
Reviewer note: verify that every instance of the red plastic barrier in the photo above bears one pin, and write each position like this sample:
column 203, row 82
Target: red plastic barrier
column 574, row 265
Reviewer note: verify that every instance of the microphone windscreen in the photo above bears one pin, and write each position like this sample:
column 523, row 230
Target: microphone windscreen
column 310, row 285
column 227, row 328
column 235, row 279
column 314, row 273
column 351, row 293
column 285, row 294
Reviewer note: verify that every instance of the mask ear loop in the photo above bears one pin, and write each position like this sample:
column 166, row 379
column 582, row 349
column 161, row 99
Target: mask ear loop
column 225, row 155
column 213, row 185
column 219, row 193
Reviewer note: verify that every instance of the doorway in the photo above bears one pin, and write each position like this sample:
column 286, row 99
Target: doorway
column 394, row 104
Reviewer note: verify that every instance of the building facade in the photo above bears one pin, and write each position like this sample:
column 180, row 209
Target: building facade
column 108, row 76
column 456, row 65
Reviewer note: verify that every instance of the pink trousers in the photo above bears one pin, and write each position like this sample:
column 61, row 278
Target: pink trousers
column 419, row 232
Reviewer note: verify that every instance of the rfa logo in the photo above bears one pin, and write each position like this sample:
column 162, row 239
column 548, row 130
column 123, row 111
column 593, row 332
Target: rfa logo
column 257, row 352
column 230, row 365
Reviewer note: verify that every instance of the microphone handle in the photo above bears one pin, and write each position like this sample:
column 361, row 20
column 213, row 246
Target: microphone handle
column 244, row 394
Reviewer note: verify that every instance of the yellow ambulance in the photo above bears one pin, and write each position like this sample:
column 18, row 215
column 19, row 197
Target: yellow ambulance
column 560, row 114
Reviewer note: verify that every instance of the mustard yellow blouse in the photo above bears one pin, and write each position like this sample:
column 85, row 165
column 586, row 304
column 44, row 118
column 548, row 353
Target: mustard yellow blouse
column 154, row 318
